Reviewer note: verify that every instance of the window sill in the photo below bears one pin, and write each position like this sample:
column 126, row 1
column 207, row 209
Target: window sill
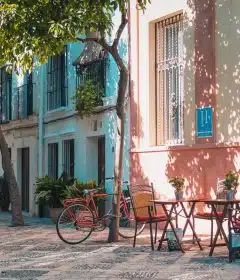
column 179, row 147
column 60, row 109
column 58, row 114
column 28, row 122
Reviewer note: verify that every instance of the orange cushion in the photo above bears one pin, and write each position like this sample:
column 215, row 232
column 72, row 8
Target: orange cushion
column 154, row 217
column 208, row 214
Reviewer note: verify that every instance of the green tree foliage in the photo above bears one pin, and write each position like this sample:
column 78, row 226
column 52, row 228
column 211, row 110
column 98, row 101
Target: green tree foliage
column 30, row 28
column 40, row 28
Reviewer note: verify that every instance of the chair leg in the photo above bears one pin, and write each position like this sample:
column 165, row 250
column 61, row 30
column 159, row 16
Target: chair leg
column 211, row 242
column 193, row 228
column 155, row 239
column 135, row 235
column 151, row 236
column 221, row 235
column 176, row 218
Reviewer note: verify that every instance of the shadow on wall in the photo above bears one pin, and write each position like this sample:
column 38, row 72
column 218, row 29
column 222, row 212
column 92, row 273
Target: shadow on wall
column 203, row 165
column 202, row 168
column 137, row 172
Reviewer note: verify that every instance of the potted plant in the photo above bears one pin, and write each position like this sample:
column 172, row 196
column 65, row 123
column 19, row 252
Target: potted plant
column 51, row 192
column 231, row 183
column 178, row 184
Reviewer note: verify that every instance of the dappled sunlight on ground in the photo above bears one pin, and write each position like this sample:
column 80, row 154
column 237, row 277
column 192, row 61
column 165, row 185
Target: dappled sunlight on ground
column 35, row 252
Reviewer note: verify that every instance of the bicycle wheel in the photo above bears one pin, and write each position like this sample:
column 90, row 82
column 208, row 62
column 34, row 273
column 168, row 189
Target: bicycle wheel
column 75, row 223
column 127, row 220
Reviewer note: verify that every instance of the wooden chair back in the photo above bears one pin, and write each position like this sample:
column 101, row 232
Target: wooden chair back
column 140, row 197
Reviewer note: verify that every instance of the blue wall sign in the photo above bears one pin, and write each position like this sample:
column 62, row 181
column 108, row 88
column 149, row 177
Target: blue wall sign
column 204, row 122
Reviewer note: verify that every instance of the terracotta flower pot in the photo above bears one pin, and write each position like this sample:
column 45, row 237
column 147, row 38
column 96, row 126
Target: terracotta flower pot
column 54, row 213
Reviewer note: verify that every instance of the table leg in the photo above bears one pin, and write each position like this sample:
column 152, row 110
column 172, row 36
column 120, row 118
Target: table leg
column 175, row 210
column 166, row 225
column 188, row 221
column 188, row 216
column 230, row 250
column 219, row 221
column 169, row 221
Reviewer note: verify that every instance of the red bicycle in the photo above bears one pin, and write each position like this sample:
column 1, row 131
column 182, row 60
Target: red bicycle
column 80, row 217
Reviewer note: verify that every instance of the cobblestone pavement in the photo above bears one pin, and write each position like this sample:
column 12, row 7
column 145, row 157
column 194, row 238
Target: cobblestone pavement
column 35, row 252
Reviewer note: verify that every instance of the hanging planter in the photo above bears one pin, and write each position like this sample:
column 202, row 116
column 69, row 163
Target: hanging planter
column 94, row 35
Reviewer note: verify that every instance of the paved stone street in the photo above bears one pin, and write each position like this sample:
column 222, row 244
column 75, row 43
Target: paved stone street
column 35, row 252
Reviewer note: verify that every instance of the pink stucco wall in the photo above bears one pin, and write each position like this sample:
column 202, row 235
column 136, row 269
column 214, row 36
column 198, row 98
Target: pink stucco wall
column 200, row 165
column 200, row 160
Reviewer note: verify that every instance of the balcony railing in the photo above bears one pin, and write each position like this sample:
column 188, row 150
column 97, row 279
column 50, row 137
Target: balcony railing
column 95, row 72
column 23, row 101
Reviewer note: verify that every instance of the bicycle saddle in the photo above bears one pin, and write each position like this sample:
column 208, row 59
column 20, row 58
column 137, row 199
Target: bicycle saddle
column 89, row 191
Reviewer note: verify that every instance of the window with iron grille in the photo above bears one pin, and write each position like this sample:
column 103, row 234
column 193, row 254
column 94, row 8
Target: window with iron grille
column 68, row 157
column 57, row 86
column 23, row 98
column 95, row 72
column 169, row 80
column 53, row 160
column 5, row 95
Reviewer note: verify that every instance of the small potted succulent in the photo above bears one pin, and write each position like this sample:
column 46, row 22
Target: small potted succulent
column 178, row 184
column 231, row 183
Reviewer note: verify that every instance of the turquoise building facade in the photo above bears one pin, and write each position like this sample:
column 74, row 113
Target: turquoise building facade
column 52, row 137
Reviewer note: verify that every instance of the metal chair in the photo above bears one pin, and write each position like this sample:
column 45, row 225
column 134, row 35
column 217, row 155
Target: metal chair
column 234, row 231
column 145, row 210
column 220, row 194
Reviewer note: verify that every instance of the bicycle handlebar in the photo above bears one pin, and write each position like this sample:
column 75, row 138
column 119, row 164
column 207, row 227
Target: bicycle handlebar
column 112, row 178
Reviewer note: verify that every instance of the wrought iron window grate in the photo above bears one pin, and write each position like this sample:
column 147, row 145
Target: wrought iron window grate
column 23, row 99
column 68, row 157
column 53, row 160
column 169, row 80
column 5, row 95
column 95, row 72
column 57, row 85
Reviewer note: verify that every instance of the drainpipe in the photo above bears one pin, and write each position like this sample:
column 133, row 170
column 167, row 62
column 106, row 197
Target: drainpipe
column 130, row 96
column 40, row 123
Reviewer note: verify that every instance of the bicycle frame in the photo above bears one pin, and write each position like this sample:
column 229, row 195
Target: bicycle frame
column 89, row 202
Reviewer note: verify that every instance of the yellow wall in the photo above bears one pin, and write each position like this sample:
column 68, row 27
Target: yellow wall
column 228, row 70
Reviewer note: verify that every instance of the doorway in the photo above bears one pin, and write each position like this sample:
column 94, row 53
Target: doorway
column 101, row 161
column 101, row 172
column 25, row 179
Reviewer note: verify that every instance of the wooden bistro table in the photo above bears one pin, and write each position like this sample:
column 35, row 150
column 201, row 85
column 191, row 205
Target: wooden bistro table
column 227, row 204
column 173, row 204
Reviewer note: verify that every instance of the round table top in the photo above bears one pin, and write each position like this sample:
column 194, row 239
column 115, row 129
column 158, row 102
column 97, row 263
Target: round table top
column 174, row 201
column 207, row 201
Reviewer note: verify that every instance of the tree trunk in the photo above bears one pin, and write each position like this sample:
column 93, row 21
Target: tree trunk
column 122, row 89
column 15, row 199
